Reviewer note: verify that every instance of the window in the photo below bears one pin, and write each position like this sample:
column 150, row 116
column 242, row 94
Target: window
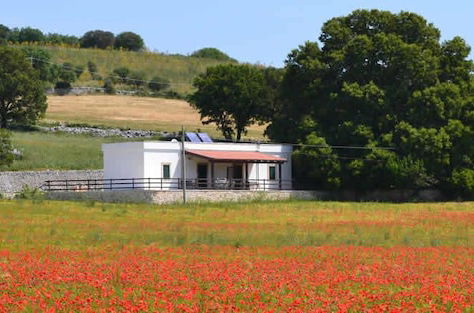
column 166, row 171
column 272, row 172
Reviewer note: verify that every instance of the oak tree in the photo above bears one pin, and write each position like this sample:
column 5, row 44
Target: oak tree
column 231, row 96
column 22, row 98
column 382, row 79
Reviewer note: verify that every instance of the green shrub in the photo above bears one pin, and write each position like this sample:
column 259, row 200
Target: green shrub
column 30, row 193
column 120, row 74
column 158, row 83
column 462, row 182
column 212, row 53
column 109, row 87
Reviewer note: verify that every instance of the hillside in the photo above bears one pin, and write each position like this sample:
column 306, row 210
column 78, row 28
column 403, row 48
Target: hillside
column 130, row 112
column 179, row 70
column 66, row 151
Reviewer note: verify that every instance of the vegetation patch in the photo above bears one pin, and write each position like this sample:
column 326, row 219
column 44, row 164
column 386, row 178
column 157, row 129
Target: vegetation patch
column 282, row 256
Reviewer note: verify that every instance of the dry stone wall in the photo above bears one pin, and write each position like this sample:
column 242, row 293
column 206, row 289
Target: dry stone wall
column 175, row 196
column 13, row 182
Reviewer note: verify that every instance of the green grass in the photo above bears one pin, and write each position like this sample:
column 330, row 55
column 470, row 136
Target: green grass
column 57, row 151
column 177, row 69
column 81, row 225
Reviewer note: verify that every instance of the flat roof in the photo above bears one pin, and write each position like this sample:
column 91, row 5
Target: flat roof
column 236, row 156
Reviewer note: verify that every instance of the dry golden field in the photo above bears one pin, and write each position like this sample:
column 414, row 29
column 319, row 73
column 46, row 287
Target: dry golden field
column 130, row 112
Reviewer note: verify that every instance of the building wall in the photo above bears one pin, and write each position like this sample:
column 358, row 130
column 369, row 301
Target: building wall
column 124, row 160
column 146, row 159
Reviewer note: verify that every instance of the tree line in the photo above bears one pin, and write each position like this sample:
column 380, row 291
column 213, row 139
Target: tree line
column 377, row 80
column 92, row 39
column 99, row 39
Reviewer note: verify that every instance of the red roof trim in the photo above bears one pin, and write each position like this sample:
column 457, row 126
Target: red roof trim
column 236, row 156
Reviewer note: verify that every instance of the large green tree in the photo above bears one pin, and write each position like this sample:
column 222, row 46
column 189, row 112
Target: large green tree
column 22, row 98
column 28, row 34
column 97, row 39
column 382, row 79
column 231, row 96
column 129, row 41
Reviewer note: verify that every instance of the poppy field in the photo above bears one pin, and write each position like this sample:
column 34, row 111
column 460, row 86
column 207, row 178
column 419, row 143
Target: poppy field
column 292, row 256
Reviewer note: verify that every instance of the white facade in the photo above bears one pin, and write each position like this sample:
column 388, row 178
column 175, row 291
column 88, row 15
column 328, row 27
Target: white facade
column 157, row 165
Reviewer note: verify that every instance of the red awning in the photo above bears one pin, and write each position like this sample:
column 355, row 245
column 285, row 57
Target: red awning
column 236, row 156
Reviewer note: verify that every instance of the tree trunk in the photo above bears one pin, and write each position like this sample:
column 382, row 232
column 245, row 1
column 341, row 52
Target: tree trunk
column 3, row 121
column 239, row 134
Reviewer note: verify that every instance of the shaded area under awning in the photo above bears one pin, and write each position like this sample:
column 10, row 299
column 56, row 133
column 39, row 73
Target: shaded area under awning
column 236, row 156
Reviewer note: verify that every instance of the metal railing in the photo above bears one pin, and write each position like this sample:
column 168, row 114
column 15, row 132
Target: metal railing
column 79, row 185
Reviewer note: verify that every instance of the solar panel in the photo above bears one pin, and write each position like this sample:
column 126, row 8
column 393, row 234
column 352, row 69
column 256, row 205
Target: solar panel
column 204, row 137
column 192, row 137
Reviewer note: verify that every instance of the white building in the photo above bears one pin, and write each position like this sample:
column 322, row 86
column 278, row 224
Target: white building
column 158, row 165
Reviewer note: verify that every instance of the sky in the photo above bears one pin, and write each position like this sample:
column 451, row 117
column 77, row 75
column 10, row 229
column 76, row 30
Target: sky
column 258, row 31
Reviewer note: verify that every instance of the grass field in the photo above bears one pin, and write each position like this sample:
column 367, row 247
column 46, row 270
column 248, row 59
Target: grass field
column 130, row 112
column 179, row 70
column 291, row 256
column 57, row 151
column 43, row 150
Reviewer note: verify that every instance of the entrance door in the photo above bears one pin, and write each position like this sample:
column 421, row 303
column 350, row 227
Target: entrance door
column 235, row 176
column 202, row 175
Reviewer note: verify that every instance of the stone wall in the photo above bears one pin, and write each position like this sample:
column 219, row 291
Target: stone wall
column 176, row 196
column 13, row 182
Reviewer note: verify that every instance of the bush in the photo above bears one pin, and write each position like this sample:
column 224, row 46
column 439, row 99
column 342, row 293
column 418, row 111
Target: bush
column 158, row 83
column 136, row 79
column 67, row 72
column 462, row 181
column 109, row 87
column 121, row 74
column 30, row 193
column 92, row 69
column 62, row 88
column 78, row 70
column 171, row 94
column 212, row 53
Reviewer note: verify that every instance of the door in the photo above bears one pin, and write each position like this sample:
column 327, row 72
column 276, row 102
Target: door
column 235, row 176
column 202, row 175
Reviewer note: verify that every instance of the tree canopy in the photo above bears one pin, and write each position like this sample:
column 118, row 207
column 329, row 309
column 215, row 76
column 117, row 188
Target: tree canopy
column 6, row 148
column 231, row 96
column 55, row 38
column 212, row 53
column 129, row 41
column 29, row 34
column 4, row 33
column 380, row 80
column 22, row 98
column 97, row 39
